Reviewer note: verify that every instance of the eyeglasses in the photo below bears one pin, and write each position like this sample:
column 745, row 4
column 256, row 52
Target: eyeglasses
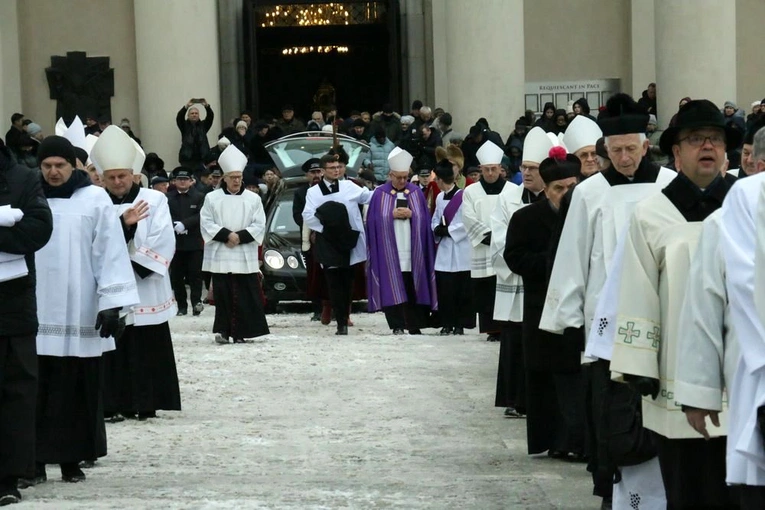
column 718, row 140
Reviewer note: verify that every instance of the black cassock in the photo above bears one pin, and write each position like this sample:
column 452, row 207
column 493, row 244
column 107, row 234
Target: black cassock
column 239, row 309
column 140, row 375
column 555, row 397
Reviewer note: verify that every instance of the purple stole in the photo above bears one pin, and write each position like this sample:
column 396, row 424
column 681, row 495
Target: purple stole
column 451, row 209
column 385, row 282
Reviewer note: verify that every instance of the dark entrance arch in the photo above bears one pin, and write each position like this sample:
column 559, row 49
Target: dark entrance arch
column 311, row 54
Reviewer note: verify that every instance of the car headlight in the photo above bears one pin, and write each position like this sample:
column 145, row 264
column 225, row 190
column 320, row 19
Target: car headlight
column 292, row 261
column 274, row 259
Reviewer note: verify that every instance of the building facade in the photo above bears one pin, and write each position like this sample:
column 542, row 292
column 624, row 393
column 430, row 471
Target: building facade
column 475, row 58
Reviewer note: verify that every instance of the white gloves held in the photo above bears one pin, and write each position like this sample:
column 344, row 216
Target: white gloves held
column 9, row 216
column 179, row 228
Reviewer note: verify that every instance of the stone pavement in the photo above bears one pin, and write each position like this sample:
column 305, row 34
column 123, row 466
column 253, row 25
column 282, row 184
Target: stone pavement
column 307, row 420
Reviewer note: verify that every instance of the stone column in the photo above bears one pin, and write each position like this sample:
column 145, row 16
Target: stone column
column 475, row 78
column 643, row 48
column 10, row 64
column 413, row 24
column 177, row 59
column 695, row 56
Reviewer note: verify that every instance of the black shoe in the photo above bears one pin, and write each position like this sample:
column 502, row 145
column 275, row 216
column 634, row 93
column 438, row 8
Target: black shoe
column 459, row 331
column 114, row 418
column 240, row 341
column 445, row 331
column 415, row 332
column 87, row 464
column 145, row 416
column 398, row 331
column 181, row 312
column 198, row 309
column 342, row 330
column 556, row 454
column 9, row 496
column 40, row 477
column 492, row 338
column 576, row 457
column 512, row 412
column 71, row 473
column 316, row 317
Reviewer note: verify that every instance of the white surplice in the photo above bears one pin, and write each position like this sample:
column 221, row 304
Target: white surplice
column 233, row 212
column 508, row 298
column 152, row 247
column 597, row 214
column 351, row 196
column 743, row 221
column 658, row 250
column 84, row 269
column 477, row 208
column 707, row 348
column 453, row 252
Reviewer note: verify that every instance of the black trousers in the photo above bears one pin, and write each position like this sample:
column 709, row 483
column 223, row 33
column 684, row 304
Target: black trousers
column 569, row 388
column 597, row 377
column 340, row 283
column 454, row 307
column 511, row 370
column 186, row 267
column 693, row 471
column 407, row 315
column 18, row 403
column 750, row 497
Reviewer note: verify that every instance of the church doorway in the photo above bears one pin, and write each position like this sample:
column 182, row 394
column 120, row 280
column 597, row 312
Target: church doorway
column 314, row 55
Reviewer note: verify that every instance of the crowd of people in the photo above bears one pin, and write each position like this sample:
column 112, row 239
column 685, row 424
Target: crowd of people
column 615, row 264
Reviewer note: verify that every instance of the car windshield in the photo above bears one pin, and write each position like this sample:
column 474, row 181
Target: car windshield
column 283, row 224
column 289, row 154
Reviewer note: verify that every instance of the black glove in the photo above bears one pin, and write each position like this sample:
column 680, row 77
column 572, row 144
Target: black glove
column 487, row 239
column 108, row 323
column 441, row 231
column 644, row 385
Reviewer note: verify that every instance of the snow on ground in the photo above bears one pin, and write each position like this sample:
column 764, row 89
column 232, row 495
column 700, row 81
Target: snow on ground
column 303, row 419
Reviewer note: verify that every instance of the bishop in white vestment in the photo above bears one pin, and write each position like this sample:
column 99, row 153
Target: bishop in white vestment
column 660, row 244
column 479, row 202
column 140, row 376
column 233, row 224
column 84, row 278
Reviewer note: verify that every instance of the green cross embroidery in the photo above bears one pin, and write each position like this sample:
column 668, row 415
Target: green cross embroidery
column 630, row 333
column 655, row 336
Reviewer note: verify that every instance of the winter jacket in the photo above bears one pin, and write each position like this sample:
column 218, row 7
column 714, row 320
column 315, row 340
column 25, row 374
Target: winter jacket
column 294, row 126
column 194, row 144
column 185, row 207
column 647, row 103
column 379, row 155
column 20, row 188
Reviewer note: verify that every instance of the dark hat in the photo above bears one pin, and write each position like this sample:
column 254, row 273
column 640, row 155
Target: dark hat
column 387, row 108
column 548, row 106
column 153, row 158
column 359, row 123
column 416, row 104
column 56, row 146
column 424, row 170
column 623, row 116
column 288, row 108
column 159, row 179
column 559, row 166
column 756, row 126
column 475, row 130
column 700, row 113
column 311, row 164
column 472, row 169
column 217, row 172
column 182, row 171
column 600, row 147
column 81, row 155
column 250, row 179
column 368, row 175
column 260, row 125
column 445, row 119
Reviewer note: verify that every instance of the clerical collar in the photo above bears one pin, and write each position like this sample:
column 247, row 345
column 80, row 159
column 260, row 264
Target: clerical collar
column 453, row 191
column 227, row 192
column 529, row 197
column 646, row 172
column 694, row 203
column 495, row 188
column 330, row 183
column 128, row 198
column 79, row 179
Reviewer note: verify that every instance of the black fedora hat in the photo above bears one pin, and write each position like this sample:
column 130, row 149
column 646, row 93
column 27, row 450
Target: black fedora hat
column 697, row 114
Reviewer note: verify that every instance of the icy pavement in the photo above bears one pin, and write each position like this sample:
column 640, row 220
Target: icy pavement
column 304, row 419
